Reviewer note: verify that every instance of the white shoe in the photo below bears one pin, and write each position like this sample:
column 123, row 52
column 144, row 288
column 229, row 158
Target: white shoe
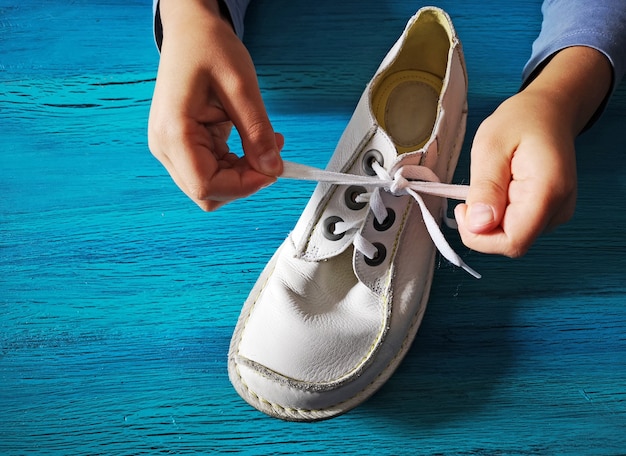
column 339, row 304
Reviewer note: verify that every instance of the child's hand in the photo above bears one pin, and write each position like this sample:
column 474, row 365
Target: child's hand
column 206, row 83
column 523, row 170
column 523, row 177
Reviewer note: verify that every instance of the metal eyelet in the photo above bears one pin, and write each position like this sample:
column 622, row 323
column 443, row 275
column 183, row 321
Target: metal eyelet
column 329, row 228
column 369, row 158
column 387, row 223
column 350, row 197
column 379, row 257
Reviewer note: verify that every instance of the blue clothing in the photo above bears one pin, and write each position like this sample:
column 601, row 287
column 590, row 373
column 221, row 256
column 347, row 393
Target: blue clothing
column 236, row 9
column 600, row 24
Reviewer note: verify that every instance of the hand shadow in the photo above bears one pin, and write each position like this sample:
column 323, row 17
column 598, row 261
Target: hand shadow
column 307, row 56
column 479, row 337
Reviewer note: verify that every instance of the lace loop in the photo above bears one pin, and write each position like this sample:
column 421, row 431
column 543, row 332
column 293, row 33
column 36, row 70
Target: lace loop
column 413, row 180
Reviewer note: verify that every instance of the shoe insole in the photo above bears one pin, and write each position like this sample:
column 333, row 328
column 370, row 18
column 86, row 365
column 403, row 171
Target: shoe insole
column 405, row 104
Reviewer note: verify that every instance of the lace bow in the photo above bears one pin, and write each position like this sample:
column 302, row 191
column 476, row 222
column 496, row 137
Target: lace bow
column 412, row 180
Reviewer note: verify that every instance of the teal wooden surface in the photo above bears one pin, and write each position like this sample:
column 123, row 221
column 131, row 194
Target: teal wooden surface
column 118, row 296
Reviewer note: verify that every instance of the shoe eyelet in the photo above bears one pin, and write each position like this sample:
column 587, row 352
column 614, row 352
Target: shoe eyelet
column 369, row 158
column 350, row 197
column 387, row 223
column 329, row 228
column 379, row 257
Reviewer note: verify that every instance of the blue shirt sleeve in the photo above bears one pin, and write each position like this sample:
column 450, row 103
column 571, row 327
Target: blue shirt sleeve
column 599, row 24
column 236, row 10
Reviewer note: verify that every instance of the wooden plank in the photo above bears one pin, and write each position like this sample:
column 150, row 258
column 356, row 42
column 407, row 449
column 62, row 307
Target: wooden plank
column 118, row 296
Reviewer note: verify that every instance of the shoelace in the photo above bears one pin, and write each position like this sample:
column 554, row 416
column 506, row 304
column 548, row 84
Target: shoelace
column 412, row 180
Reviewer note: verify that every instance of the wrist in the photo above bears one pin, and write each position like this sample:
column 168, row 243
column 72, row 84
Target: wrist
column 575, row 81
column 182, row 16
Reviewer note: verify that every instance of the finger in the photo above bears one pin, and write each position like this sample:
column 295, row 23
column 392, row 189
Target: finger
column 225, row 186
column 512, row 238
column 527, row 215
column 563, row 209
column 206, row 205
column 490, row 176
column 280, row 140
column 243, row 102
column 210, row 179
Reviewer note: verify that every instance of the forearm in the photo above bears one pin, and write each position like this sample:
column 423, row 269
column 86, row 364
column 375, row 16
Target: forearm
column 575, row 81
column 232, row 10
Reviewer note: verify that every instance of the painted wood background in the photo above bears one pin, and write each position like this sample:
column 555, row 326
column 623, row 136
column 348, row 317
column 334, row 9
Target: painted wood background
column 118, row 296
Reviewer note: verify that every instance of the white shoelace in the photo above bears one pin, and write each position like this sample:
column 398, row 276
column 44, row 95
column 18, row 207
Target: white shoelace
column 408, row 180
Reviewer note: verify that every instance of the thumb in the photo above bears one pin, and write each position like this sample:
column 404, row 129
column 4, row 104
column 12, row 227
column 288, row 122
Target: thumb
column 490, row 175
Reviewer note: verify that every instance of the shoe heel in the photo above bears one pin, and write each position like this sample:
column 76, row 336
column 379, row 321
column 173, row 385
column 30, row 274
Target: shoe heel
column 405, row 95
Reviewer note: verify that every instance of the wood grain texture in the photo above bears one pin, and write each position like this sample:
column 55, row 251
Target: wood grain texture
column 118, row 296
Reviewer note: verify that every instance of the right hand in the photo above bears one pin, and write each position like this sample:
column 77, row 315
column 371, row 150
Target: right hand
column 206, row 83
column 523, row 171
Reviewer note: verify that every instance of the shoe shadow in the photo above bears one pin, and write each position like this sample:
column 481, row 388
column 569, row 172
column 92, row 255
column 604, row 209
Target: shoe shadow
column 311, row 58
column 464, row 348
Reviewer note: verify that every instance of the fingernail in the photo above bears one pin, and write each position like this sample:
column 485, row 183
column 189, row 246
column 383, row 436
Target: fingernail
column 269, row 163
column 480, row 215
column 268, row 184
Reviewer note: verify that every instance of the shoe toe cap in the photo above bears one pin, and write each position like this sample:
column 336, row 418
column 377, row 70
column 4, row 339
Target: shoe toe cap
column 293, row 401
column 278, row 397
